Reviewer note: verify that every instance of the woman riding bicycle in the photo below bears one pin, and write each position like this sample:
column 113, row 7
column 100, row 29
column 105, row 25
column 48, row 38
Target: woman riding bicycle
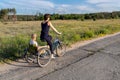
column 44, row 36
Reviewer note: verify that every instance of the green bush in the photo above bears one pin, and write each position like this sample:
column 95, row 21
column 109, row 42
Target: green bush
column 76, row 37
column 87, row 34
column 101, row 31
column 10, row 47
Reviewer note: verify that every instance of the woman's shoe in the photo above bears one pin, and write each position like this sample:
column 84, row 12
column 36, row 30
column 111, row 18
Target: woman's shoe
column 52, row 56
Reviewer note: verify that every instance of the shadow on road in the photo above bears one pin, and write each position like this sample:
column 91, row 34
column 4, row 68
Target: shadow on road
column 21, row 63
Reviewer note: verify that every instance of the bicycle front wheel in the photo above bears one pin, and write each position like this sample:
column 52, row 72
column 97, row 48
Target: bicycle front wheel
column 44, row 57
column 61, row 49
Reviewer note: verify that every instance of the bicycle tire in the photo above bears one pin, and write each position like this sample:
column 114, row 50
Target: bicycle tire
column 61, row 49
column 44, row 55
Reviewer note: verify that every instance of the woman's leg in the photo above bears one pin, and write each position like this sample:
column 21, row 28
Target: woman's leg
column 49, row 42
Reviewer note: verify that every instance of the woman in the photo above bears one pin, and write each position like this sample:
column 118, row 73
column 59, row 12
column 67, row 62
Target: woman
column 45, row 26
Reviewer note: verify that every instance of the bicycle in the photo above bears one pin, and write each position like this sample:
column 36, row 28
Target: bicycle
column 43, row 56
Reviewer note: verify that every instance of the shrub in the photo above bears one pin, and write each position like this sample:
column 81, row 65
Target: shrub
column 101, row 31
column 87, row 34
column 76, row 37
column 10, row 47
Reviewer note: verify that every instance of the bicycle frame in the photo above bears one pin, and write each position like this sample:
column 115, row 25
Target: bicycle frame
column 56, row 43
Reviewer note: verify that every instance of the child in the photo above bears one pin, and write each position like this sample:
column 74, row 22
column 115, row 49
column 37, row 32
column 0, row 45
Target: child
column 33, row 41
column 33, row 45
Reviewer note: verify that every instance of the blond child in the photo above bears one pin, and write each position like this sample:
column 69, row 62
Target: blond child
column 34, row 42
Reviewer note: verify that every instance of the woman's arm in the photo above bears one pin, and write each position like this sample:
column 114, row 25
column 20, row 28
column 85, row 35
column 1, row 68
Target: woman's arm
column 53, row 28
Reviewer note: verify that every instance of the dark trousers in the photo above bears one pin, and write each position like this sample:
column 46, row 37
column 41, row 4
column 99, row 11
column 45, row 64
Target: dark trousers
column 48, row 39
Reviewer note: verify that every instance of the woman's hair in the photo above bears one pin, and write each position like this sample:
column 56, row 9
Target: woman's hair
column 46, row 16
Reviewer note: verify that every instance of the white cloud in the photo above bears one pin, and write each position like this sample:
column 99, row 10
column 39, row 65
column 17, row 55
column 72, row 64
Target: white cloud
column 61, row 8
column 102, row 1
column 30, row 7
column 85, row 8
column 64, row 5
column 65, row 8
column 105, row 5
column 42, row 3
column 108, row 5
column 46, row 6
column 28, row 4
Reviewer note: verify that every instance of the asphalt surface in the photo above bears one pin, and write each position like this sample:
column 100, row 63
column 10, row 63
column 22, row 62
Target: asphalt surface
column 99, row 60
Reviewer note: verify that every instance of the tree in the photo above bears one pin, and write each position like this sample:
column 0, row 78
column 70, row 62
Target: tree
column 14, row 17
column 4, row 13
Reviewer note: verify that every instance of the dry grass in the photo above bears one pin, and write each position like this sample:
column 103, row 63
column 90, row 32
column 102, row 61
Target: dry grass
column 28, row 27
column 19, row 28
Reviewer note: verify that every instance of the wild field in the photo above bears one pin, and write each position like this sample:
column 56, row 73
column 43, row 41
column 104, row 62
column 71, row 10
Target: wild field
column 15, row 37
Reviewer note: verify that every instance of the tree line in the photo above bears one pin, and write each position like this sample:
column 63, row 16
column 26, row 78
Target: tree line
column 10, row 14
column 82, row 17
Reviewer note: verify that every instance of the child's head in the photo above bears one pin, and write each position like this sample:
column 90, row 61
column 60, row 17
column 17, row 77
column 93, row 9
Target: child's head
column 34, row 36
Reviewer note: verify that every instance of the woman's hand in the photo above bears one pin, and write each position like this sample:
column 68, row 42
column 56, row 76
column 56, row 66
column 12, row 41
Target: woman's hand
column 59, row 33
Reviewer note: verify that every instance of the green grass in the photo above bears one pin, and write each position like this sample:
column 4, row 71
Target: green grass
column 15, row 37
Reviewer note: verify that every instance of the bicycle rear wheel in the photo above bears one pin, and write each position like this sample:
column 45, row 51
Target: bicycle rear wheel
column 44, row 57
column 61, row 49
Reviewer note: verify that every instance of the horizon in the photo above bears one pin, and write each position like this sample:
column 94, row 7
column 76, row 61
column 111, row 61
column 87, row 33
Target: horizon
column 32, row 7
column 69, row 13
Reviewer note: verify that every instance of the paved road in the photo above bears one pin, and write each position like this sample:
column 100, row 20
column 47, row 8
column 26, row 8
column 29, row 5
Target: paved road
column 99, row 60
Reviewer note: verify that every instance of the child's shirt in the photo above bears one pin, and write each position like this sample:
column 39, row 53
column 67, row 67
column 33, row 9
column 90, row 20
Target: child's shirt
column 34, row 43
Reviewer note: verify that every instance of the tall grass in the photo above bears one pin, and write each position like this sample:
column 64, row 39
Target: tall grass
column 10, row 47
column 15, row 37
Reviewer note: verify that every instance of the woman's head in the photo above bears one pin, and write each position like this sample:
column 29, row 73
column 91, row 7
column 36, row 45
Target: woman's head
column 46, row 16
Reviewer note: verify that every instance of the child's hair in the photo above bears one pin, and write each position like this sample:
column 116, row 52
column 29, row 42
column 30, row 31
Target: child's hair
column 46, row 16
column 33, row 35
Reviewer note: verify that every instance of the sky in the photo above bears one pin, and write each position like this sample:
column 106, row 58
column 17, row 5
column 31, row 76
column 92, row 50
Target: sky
column 61, row 6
